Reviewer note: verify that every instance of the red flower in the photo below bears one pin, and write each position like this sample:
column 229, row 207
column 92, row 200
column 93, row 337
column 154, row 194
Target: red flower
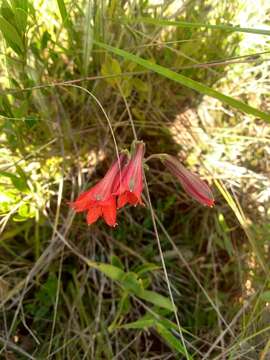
column 99, row 200
column 191, row 183
column 130, row 184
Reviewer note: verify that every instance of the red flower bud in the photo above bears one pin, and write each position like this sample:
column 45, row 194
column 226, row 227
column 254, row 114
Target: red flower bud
column 130, row 181
column 191, row 183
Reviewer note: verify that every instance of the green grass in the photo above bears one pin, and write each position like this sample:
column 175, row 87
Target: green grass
column 174, row 280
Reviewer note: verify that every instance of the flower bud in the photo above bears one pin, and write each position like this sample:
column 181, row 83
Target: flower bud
column 190, row 182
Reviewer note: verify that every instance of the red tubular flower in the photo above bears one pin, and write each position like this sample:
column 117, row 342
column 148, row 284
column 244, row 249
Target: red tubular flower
column 130, row 184
column 99, row 200
column 191, row 183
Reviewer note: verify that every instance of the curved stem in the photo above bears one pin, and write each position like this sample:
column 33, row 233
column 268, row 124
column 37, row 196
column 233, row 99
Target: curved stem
column 155, row 156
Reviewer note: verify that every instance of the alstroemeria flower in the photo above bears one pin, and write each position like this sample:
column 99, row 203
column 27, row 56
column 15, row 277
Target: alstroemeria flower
column 100, row 201
column 130, row 185
column 191, row 183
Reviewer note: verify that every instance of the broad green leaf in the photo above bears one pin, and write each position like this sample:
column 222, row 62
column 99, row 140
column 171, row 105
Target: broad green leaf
column 23, row 4
column 183, row 80
column 11, row 35
column 22, row 174
column 7, row 174
column 186, row 24
column 6, row 11
column 110, row 67
column 126, row 85
column 21, row 19
column 111, row 271
column 174, row 343
column 18, row 218
column 140, row 86
column 26, row 211
column 132, row 284
column 18, row 182
column 115, row 260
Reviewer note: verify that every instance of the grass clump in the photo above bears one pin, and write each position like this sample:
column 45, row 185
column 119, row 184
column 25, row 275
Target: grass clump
column 79, row 80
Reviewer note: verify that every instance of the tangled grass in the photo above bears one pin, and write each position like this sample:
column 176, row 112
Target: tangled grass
column 69, row 291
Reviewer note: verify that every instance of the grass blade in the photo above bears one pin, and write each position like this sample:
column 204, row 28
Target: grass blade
column 87, row 36
column 171, row 340
column 192, row 25
column 65, row 17
column 183, row 80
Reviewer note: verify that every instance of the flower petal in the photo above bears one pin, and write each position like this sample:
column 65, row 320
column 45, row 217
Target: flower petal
column 109, row 213
column 102, row 190
column 93, row 214
column 83, row 202
column 133, row 199
column 122, row 200
column 130, row 185
column 129, row 198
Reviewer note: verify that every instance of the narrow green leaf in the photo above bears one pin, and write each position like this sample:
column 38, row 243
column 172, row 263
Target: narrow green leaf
column 10, row 34
column 183, row 80
column 130, row 282
column 140, row 324
column 171, row 340
column 156, row 299
column 65, row 16
column 163, row 327
column 147, row 267
column 186, row 24
column 62, row 9
column 87, row 36
column 123, row 307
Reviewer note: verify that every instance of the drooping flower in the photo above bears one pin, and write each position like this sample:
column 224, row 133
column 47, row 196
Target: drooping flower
column 190, row 182
column 99, row 201
column 130, row 184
